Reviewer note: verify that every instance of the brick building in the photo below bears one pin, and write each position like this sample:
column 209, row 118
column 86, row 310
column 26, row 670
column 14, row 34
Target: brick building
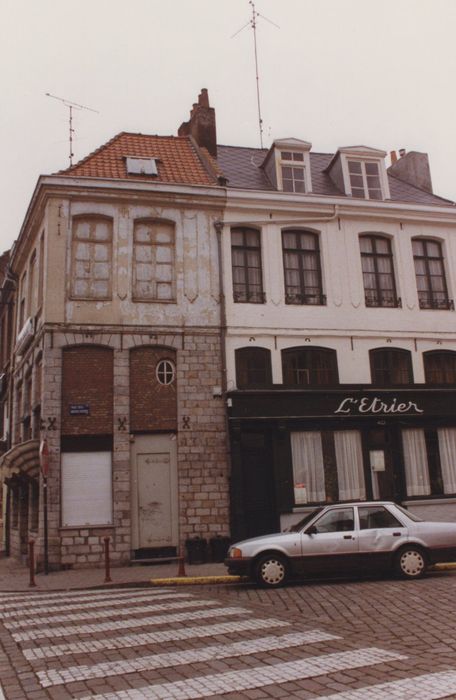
column 116, row 355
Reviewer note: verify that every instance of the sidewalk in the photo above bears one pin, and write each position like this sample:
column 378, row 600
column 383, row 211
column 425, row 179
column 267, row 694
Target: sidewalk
column 15, row 577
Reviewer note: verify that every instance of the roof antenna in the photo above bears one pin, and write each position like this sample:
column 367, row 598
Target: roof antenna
column 71, row 106
column 253, row 22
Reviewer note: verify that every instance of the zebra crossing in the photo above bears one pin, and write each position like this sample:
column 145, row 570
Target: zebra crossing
column 89, row 642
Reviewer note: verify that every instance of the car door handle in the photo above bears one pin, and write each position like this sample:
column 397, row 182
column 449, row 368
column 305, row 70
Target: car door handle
column 348, row 537
column 397, row 534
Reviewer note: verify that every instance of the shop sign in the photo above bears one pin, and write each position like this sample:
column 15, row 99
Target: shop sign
column 373, row 405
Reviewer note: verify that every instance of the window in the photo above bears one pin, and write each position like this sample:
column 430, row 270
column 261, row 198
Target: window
column 153, row 261
column 41, row 271
column 141, row 166
column 440, row 367
column 349, row 459
column 91, row 258
column 246, row 265
column 338, row 520
column 430, row 275
column 416, row 463
column 309, row 366
column 86, row 489
column 365, row 179
column 166, row 372
column 301, row 264
column 378, row 274
column 22, row 294
column 253, row 367
column 31, row 293
column 374, row 517
column 391, row 366
column 308, row 467
column 292, row 171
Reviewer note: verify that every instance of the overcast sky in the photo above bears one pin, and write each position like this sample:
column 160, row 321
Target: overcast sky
column 336, row 73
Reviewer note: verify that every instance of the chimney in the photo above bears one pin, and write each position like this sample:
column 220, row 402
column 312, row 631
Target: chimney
column 201, row 124
column 413, row 168
column 393, row 156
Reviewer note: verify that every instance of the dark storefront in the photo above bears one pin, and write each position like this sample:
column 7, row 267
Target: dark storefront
column 292, row 449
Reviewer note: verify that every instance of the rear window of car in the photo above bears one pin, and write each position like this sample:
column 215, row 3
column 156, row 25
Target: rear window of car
column 376, row 517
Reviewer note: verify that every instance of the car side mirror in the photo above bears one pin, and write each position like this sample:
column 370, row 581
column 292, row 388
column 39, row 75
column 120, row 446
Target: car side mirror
column 312, row 530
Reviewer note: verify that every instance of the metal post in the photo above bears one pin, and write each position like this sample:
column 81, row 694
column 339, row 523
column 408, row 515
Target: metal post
column 108, row 578
column 32, row 563
column 45, row 517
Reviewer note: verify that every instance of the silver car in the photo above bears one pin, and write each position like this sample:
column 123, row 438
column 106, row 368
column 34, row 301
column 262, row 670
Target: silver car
column 355, row 537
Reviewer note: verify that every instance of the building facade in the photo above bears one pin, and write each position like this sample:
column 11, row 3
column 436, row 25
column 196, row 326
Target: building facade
column 116, row 358
column 211, row 340
column 341, row 348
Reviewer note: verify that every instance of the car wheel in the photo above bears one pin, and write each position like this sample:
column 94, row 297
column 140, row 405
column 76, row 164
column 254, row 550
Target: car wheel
column 410, row 562
column 271, row 570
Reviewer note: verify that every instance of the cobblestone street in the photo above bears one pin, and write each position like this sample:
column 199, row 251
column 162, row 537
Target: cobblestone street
column 344, row 640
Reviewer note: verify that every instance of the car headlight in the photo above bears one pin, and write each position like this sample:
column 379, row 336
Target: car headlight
column 235, row 553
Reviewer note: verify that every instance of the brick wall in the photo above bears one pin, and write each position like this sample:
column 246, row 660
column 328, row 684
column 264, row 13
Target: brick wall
column 87, row 379
column 153, row 406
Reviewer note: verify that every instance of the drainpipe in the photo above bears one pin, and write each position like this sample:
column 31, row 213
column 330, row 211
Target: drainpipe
column 286, row 222
column 218, row 225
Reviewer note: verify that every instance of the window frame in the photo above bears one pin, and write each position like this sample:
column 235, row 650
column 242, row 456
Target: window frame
column 92, row 242
column 367, row 191
column 391, row 358
column 440, row 355
column 242, row 355
column 380, row 294
column 154, row 245
column 247, row 296
column 293, row 353
column 297, row 163
column 432, row 303
column 304, row 295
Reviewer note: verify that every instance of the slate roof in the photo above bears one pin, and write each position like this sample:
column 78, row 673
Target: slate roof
column 241, row 167
column 179, row 160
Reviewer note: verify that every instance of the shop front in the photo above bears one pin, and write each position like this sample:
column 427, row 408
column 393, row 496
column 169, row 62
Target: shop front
column 294, row 449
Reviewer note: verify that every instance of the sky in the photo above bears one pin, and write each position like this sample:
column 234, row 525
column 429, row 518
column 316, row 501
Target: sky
column 333, row 72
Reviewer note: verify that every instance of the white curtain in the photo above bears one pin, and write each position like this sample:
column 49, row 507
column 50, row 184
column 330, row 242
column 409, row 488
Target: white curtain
column 416, row 463
column 308, row 469
column 349, row 458
column 447, row 448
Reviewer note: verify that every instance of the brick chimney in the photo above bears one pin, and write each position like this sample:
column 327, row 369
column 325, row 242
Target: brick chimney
column 412, row 167
column 201, row 124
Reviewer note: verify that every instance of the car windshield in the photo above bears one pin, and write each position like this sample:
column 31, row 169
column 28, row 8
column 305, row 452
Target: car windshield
column 306, row 519
column 410, row 515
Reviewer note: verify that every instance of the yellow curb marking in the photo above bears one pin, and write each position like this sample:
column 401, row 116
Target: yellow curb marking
column 192, row 580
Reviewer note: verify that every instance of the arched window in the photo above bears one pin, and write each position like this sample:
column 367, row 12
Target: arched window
column 378, row 272
column 440, row 367
column 309, row 366
column 430, row 274
column 253, row 367
column 246, row 266
column 391, row 366
column 302, row 269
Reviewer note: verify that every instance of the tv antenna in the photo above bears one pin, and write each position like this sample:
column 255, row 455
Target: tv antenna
column 253, row 24
column 71, row 106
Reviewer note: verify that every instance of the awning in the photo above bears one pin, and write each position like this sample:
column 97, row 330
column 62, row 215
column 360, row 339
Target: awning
column 22, row 459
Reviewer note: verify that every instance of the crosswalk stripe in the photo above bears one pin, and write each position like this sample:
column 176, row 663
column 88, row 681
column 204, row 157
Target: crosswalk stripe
column 36, row 595
column 256, row 677
column 51, row 615
column 177, row 658
column 40, row 601
column 114, row 625
column 160, row 636
column 430, row 686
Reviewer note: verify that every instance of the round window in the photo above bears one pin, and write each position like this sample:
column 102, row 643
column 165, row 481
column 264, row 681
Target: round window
column 166, row 372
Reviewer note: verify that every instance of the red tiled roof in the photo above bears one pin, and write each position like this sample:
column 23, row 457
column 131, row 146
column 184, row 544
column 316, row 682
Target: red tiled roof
column 178, row 160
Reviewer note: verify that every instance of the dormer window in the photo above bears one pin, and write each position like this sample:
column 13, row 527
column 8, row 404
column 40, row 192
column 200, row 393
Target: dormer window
column 287, row 165
column 359, row 171
column 364, row 179
column 293, row 172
